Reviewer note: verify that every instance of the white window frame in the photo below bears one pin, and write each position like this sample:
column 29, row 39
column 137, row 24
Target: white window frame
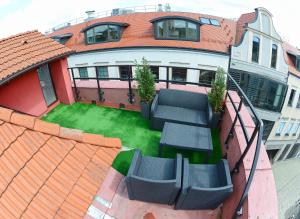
column 289, row 129
column 280, row 128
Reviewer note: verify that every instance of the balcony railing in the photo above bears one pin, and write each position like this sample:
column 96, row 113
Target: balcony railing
column 113, row 12
column 249, row 137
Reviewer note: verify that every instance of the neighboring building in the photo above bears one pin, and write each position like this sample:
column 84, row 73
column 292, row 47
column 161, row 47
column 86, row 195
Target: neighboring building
column 33, row 73
column 175, row 40
column 284, row 140
column 257, row 63
column 287, row 178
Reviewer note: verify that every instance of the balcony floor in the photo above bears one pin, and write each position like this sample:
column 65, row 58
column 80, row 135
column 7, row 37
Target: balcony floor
column 112, row 201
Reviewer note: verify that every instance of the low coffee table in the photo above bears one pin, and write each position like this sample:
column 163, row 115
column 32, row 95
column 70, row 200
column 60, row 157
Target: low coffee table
column 186, row 137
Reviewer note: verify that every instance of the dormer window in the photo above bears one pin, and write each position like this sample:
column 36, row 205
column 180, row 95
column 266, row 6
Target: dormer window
column 103, row 32
column 176, row 28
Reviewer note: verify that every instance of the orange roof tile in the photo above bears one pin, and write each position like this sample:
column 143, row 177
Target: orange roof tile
column 289, row 52
column 240, row 26
column 49, row 174
column 27, row 50
column 139, row 33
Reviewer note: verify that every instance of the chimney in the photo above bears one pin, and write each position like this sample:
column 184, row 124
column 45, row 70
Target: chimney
column 160, row 8
column 90, row 15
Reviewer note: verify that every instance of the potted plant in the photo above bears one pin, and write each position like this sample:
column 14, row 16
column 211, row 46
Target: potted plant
column 216, row 96
column 145, row 86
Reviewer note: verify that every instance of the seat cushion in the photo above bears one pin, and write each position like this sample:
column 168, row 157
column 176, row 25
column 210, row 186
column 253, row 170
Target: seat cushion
column 181, row 115
column 204, row 176
column 157, row 168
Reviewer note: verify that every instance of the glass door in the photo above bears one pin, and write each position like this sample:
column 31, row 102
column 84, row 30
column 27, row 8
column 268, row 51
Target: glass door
column 46, row 84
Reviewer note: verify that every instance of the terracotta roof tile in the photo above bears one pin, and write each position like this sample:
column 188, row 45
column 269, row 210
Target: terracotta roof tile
column 46, row 127
column 25, row 50
column 70, row 133
column 23, row 120
column 49, row 175
column 140, row 33
column 5, row 114
column 241, row 24
column 289, row 54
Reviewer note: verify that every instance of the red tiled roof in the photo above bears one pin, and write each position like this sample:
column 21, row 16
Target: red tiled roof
column 289, row 49
column 47, row 171
column 139, row 33
column 25, row 50
column 240, row 26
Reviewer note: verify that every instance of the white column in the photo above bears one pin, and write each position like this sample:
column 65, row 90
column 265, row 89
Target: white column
column 91, row 72
column 133, row 71
column 162, row 73
column 192, row 76
column 113, row 72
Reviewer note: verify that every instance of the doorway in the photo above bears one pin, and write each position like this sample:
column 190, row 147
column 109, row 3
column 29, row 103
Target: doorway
column 46, row 84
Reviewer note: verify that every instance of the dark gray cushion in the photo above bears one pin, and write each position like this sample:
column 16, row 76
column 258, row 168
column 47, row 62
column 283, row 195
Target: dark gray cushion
column 157, row 169
column 184, row 99
column 181, row 115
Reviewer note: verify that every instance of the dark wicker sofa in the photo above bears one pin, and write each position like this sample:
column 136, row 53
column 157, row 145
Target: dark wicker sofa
column 182, row 107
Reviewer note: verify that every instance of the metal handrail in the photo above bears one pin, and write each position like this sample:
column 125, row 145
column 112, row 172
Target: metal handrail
column 101, row 14
column 257, row 132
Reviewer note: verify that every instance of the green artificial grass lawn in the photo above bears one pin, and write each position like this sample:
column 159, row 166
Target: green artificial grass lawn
column 129, row 126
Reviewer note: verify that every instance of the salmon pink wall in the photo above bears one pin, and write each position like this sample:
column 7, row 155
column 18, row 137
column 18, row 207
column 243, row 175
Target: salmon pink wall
column 24, row 94
column 61, row 81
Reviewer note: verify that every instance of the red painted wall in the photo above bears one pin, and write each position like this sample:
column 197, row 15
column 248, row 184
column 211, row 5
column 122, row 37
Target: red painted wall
column 24, row 94
column 61, row 81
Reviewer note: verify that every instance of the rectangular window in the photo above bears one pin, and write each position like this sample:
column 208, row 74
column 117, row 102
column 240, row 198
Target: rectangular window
column 262, row 92
column 177, row 29
column 295, row 128
column 285, row 150
column 206, row 76
column 294, row 152
column 298, row 63
column 298, row 103
column 255, row 49
column 288, row 129
column 125, row 71
column 179, row 74
column 83, row 73
column 102, row 71
column 280, row 128
column 274, row 56
column 101, row 33
column 291, row 98
column 155, row 71
column 268, row 126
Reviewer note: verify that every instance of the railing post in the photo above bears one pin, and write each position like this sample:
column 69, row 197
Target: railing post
column 167, row 77
column 230, row 134
column 75, row 87
column 130, row 93
column 100, row 92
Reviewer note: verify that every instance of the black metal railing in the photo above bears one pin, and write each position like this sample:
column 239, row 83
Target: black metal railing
column 257, row 133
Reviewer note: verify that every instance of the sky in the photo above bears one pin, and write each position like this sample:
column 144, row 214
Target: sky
column 22, row 15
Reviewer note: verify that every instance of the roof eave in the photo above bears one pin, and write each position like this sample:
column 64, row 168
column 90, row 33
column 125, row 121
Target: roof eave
column 21, row 72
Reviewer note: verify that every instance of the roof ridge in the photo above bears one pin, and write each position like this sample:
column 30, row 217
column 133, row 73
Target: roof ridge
column 17, row 35
column 36, row 124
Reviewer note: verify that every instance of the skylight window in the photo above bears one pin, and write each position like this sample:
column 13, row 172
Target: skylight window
column 214, row 22
column 204, row 20
column 209, row 21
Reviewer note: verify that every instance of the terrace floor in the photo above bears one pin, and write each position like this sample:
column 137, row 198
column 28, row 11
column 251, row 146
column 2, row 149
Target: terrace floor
column 111, row 201
column 129, row 126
